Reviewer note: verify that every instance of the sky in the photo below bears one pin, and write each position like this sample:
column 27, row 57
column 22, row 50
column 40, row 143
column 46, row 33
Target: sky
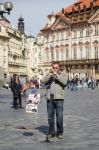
column 34, row 12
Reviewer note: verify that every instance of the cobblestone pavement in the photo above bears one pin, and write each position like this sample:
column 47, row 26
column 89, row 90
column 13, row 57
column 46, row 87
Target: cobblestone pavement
column 23, row 131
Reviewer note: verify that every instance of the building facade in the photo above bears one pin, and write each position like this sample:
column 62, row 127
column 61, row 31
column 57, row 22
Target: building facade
column 13, row 51
column 72, row 38
column 31, row 42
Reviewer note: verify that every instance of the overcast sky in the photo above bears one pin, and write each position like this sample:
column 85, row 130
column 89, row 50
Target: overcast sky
column 35, row 12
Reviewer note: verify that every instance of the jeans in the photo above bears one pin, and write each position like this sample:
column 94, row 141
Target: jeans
column 17, row 101
column 55, row 107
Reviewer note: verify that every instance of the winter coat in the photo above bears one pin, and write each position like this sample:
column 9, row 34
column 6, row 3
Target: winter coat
column 17, row 88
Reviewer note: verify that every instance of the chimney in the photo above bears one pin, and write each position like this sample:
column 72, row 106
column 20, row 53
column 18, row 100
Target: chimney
column 79, row 7
column 91, row 5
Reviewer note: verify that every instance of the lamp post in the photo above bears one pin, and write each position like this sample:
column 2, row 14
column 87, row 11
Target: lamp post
column 5, row 8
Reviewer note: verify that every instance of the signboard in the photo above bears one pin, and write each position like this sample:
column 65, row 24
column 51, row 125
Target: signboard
column 32, row 103
column 31, row 108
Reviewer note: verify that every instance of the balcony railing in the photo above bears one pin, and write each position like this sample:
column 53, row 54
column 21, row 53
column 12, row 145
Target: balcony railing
column 80, row 62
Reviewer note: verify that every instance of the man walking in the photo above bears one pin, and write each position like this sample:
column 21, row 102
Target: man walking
column 55, row 83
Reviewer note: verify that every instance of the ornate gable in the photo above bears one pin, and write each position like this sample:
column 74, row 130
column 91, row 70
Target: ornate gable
column 94, row 17
column 60, row 24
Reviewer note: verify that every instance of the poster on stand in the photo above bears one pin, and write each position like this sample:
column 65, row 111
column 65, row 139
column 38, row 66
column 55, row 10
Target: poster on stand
column 32, row 103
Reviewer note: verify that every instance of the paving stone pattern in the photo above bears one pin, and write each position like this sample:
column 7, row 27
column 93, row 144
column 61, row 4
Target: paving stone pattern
column 23, row 131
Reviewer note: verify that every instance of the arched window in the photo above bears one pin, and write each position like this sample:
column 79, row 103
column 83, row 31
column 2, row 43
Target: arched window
column 62, row 51
column 52, row 53
column 81, row 53
column 57, row 52
column 75, row 33
column 87, row 31
column 87, row 50
column 81, row 33
column 95, row 43
column 96, row 29
column 74, row 46
column 81, row 49
column 47, row 54
column 67, row 52
column 96, row 51
column 57, row 36
column 75, row 53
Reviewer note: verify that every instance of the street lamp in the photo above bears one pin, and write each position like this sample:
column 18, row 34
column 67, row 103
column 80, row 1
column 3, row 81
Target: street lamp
column 5, row 8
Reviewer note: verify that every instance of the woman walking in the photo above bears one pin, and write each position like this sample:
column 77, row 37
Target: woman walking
column 17, row 88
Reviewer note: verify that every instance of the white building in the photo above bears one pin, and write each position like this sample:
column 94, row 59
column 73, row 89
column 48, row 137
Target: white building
column 30, row 56
column 72, row 38
column 34, row 57
column 13, row 56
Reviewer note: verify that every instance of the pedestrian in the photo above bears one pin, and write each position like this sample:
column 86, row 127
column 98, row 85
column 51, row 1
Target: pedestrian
column 17, row 89
column 11, row 85
column 55, row 83
column 24, row 89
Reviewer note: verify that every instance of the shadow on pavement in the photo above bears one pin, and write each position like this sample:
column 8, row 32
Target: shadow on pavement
column 28, row 133
column 43, row 129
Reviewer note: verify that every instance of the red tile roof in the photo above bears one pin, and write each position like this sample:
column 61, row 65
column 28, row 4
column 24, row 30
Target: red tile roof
column 69, row 9
column 81, row 3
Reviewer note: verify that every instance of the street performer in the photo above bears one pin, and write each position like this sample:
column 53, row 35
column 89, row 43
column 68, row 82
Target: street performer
column 55, row 83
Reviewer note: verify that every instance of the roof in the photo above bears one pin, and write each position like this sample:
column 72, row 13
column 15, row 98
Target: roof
column 62, row 17
column 81, row 3
column 30, row 36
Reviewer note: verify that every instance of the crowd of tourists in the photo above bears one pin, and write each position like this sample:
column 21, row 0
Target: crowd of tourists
column 74, row 83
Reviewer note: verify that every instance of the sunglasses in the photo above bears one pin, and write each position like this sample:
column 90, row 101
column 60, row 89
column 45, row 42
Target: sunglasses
column 55, row 67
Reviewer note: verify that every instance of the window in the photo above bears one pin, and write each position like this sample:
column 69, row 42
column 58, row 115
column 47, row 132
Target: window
column 96, row 29
column 62, row 35
column 75, row 53
column 96, row 52
column 87, row 52
column 0, row 29
column 87, row 31
column 57, row 55
column 62, row 54
column 66, row 53
column 4, row 50
column 52, row 55
column 47, row 38
column 57, row 36
column 81, row 54
column 75, row 34
column 67, row 36
column 81, row 33
column 47, row 54
column 4, row 62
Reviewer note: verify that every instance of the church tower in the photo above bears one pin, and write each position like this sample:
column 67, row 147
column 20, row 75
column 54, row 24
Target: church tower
column 21, row 25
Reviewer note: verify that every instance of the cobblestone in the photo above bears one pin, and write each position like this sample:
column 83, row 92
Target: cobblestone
column 22, row 131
